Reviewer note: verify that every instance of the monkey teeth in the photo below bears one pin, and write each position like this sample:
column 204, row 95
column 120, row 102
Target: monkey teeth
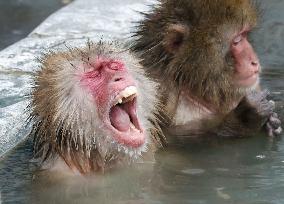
column 126, row 95
column 134, row 128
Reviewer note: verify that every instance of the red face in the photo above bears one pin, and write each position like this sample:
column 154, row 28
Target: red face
column 247, row 65
column 115, row 96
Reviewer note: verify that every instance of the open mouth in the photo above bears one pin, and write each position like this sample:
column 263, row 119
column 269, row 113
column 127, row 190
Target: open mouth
column 124, row 120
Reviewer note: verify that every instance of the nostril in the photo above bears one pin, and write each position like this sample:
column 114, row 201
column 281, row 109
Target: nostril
column 254, row 63
column 118, row 79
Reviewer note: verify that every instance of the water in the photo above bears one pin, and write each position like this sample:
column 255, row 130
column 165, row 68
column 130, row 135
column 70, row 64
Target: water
column 241, row 171
column 248, row 171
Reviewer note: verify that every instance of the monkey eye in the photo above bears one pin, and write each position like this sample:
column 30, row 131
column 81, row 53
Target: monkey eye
column 115, row 65
column 240, row 37
column 237, row 39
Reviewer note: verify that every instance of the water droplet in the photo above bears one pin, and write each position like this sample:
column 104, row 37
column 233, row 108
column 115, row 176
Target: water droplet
column 260, row 156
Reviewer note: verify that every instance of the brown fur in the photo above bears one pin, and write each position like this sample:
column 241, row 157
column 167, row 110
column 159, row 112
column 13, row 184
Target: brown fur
column 186, row 45
column 201, row 65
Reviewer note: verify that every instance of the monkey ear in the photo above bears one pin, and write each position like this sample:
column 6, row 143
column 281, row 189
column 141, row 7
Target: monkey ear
column 175, row 36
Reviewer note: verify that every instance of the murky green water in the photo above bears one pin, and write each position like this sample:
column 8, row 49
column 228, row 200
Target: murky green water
column 241, row 171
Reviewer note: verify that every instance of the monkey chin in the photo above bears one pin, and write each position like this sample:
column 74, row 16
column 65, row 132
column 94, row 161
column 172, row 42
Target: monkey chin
column 249, row 84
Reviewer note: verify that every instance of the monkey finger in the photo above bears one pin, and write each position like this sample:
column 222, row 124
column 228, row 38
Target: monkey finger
column 275, row 115
column 274, row 122
column 265, row 110
column 272, row 103
column 278, row 131
column 269, row 130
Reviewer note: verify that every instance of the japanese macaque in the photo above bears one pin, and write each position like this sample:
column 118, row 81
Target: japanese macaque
column 92, row 108
column 209, row 73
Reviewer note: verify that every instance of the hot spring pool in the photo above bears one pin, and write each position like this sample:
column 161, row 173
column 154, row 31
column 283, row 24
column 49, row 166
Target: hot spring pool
column 241, row 171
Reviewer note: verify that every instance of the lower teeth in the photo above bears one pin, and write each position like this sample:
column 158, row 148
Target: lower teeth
column 133, row 127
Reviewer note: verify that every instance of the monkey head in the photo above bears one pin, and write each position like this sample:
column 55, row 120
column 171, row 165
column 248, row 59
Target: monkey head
column 202, row 46
column 112, row 89
column 92, row 107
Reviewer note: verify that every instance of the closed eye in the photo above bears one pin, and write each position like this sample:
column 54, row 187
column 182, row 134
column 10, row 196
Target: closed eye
column 115, row 65
column 237, row 39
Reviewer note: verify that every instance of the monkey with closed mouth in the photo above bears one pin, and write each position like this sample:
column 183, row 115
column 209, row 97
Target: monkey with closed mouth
column 200, row 53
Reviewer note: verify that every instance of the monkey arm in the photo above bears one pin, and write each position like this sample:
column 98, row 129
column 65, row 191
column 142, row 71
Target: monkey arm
column 253, row 113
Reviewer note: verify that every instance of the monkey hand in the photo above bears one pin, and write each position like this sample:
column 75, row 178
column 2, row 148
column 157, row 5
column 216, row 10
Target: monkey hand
column 264, row 110
column 273, row 125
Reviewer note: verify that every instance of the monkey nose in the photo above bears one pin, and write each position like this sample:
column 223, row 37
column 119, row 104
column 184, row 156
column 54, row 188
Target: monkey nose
column 254, row 63
column 255, row 66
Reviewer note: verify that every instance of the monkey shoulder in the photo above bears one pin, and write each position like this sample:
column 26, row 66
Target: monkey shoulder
column 188, row 117
column 189, row 110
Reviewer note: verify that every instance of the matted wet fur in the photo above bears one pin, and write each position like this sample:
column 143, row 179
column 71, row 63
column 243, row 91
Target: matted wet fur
column 65, row 122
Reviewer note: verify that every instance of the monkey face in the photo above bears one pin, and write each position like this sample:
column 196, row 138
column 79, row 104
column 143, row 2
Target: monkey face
column 200, row 43
column 208, row 56
column 247, row 66
column 114, row 95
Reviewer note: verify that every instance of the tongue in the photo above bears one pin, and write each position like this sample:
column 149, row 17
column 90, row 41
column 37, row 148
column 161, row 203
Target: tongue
column 119, row 118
